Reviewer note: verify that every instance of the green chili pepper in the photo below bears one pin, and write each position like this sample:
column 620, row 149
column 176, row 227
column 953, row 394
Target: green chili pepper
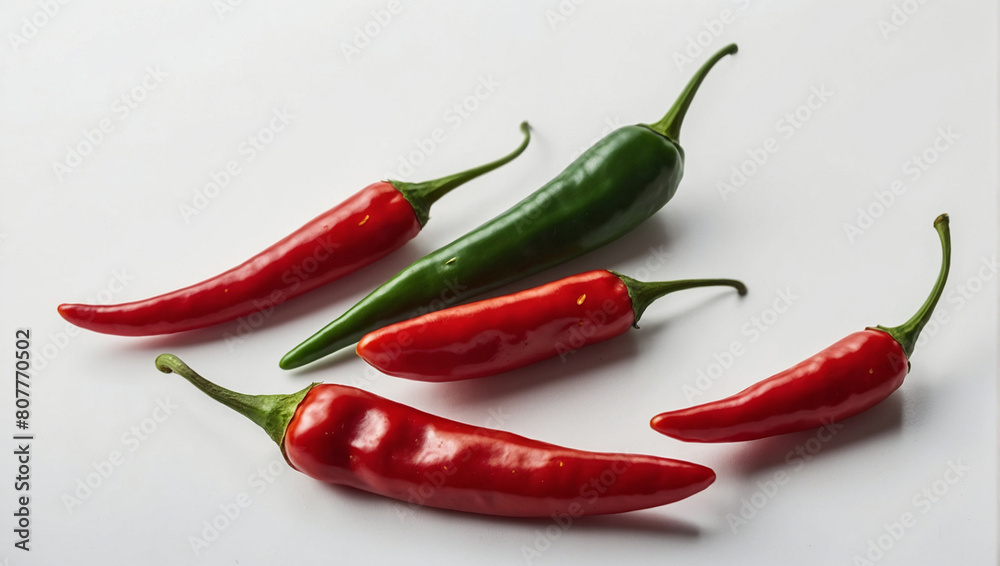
column 609, row 190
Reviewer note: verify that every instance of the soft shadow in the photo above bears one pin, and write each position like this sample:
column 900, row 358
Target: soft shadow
column 627, row 246
column 654, row 232
column 652, row 324
column 638, row 521
column 166, row 342
column 324, row 364
column 882, row 420
column 356, row 284
column 649, row 521
column 634, row 245
column 583, row 364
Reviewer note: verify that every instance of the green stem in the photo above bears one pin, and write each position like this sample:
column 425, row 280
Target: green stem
column 644, row 293
column 422, row 195
column 271, row 412
column 908, row 332
column 670, row 124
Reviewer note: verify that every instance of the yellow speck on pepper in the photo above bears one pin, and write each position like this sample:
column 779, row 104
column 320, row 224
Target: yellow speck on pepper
column 582, row 298
column 363, row 220
column 450, row 261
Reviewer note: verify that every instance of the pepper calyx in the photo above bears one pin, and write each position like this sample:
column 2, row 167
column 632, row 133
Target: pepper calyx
column 908, row 332
column 422, row 195
column 643, row 293
column 271, row 412
column 670, row 125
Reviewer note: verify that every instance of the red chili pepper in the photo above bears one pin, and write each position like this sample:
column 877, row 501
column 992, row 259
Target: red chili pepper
column 843, row 380
column 500, row 334
column 343, row 435
column 366, row 227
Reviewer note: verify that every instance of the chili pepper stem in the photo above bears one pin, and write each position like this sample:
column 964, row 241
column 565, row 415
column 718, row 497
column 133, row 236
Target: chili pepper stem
column 670, row 124
column 422, row 195
column 908, row 332
column 644, row 293
column 271, row 412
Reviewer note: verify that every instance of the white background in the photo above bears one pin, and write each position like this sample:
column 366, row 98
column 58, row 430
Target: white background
column 575, row 72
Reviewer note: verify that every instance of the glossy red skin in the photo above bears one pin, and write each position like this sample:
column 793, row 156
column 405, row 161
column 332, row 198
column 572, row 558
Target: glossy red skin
column 347, row 436
column 367, row 226
column 500, row 334
column 849, row 377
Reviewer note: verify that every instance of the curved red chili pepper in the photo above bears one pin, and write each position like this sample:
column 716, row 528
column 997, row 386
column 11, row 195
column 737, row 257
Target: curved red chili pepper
column 500, row 334
column 367, row 226
column 843, row 380
column 343, row 435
